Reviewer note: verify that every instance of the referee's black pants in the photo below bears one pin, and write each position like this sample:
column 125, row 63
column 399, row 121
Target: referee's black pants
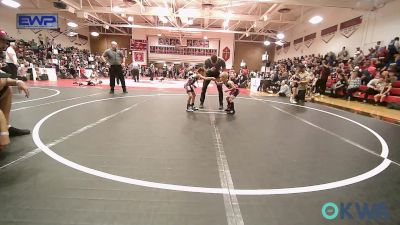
column 13, row 70
column 116, row 72
column 204, row 90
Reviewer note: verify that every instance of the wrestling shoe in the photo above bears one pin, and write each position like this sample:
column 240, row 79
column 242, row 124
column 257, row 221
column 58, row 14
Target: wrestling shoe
column 221, row 107
column 201, row 106
column 190, row 109
column 14, row 132
column 231, row 112
column 111, row 91
column 195, row 108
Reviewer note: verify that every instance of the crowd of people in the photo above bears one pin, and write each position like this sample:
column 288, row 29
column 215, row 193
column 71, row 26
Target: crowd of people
column 377, row 69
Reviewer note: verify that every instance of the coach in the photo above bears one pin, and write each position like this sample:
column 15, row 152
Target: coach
column 214, row 66
column 116, row 59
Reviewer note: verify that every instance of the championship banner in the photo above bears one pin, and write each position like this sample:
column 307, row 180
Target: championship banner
column 138, row 45
column 36, row 31
column 278, row 50
column 286, row 47
column 309, row 39
column 226, row 53
column 297, row 43
column 198, row 43
column 349, row 27
column 138, row 56
column 168, row 41
column 55, row 32
column 183, row 51
column 83, row 39
column 328, row 33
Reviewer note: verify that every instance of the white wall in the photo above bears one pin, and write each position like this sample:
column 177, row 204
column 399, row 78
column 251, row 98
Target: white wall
column 380, row 25
column 8, row 17
column 226, row 40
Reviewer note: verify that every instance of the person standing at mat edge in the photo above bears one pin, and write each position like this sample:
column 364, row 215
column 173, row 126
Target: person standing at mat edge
column 116, row 59
column 214, row 66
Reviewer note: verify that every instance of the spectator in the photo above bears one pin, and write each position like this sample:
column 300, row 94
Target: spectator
column 385, row 90
column 374, row 87
column 354, row 84
column 343, row 55
column 340, row 84
column 394, row 46
column 12, row 61
column 321, row 82
column 304, row 80
column 284, row 91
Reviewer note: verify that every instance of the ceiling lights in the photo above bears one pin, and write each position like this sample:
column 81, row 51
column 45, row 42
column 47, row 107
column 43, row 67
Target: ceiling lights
column 159, row 35
column 247, row 34
column 280, row 43
column 130, row 18
column 94, row 34
column 123, row 15
column 11, row 3
column 72, row 24
column 265, row 17
column 316, row 19
column 106, row 27
column 280, row 36
column 190, row 21
column 205, row 38
column 71, row 34
column 117, row 9
column 267, row 43
column 163, row 19
column 225, row 23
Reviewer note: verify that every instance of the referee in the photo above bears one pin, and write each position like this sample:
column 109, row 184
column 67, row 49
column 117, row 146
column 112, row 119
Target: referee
column 214, row 66
column 116, row 59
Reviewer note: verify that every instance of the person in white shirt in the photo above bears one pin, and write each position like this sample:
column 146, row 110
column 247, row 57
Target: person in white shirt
column 12, row 61
column 134, row 67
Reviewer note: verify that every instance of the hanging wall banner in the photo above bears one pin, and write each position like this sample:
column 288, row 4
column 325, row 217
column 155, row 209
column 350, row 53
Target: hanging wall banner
column 309, row 39
column 226, row 53
column 35, row 31
column 278, row 50
column 55, row 32
column 328, row 33
column 349, row 27
column 138, row 56
column 83, row 39
column 286, row 47
column 297, row 43
column 138, row 45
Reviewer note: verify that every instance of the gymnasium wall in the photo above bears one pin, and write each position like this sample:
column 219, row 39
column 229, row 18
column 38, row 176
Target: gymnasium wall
column 251, row 53
column 99, row 44
column 8, row 18
column 379, row 25
column 225, row 40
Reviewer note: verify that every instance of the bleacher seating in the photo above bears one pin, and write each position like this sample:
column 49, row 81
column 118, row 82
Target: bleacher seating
column 393, row 97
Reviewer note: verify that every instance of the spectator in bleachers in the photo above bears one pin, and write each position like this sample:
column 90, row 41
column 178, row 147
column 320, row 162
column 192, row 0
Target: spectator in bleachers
column 385, row 91
column 354, row 84
column 340, row 84
column 284, row 91
column 323, row 78
column 374, row 87
column 343, row 55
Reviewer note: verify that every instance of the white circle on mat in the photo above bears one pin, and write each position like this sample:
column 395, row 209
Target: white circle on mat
column 277, row 191
column 57, row 92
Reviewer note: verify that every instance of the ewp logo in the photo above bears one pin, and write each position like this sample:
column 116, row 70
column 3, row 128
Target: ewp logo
column 376, row 211
column 37, row 21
